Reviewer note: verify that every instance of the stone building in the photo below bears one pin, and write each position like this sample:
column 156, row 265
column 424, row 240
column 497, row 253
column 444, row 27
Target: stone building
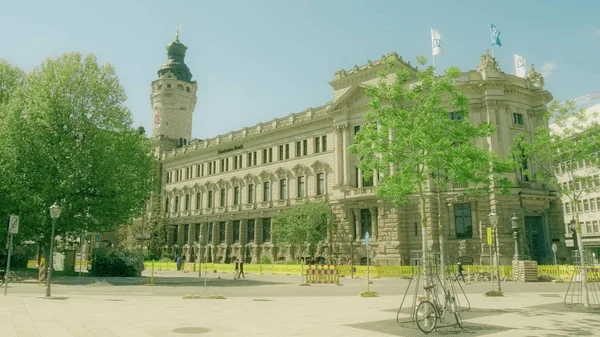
column 228, row 188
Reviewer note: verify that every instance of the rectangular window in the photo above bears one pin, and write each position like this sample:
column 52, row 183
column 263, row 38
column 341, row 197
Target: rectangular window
column 356, row 129
column 298, row 149
column 567, row 208
column 320, row 183
column 300, row 185
column 176, row 204
column 596, row 181
column 592, row 205
column 249, row 159
column 270, row 155
column 210, row 199
column 175, row 232
column 317, row 144
column 596, row 226
column 222, row 232
column 324, row 143
column 588, row 227
column 287, row 151
column 282, row 189
column 210, row 233
column 305, row 147
column 168, row 177
column 280, row 152
column 463, row 221
column 266, row 191
column 236, row 195
column 188, row 202
column 222, row 165
column 167, row 205
column 365, row 222
column 250, row 230
column 227, row 164
column 223, row 198
column 456, row 115
column 236, row 231
column 586, row 206
column 198, row 200
column 176, row 175
column 235, row 162
column 202, row 169
column 251, row 193
column 209, row 168
column 264, row 156
column 254, row 158
column 186, row 234
column 518, row 118
column 266, row 229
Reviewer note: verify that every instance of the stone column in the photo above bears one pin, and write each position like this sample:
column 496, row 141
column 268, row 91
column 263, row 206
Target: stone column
column 244, row 231
column 258, row 231
column 374, row 228
column 339, row 164
column 375, row 178
column 180, row 236
column 357, row 224
column 359, row 179
column 346, row 160
column 228, row 232
column 170, row 236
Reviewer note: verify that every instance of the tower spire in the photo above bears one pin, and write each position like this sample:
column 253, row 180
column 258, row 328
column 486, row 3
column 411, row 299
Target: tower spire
column 177, row 33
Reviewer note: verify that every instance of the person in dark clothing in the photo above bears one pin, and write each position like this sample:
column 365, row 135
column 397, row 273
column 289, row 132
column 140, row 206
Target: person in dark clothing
column 241, row 274
column 179, row 260
column 237, row 270
column 460, row 271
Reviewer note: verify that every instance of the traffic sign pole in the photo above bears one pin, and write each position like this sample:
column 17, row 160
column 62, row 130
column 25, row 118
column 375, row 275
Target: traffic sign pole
column 368, row 269
column 13, row 228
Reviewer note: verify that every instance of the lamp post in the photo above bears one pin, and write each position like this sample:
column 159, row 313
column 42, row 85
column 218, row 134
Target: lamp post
column 205, row 264
column 54, row 214
column 351, row 256
column 515, row 228
column 494, row 222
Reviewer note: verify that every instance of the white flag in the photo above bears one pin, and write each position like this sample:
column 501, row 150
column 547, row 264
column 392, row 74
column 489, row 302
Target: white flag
column 436, row 42
column 520, row 66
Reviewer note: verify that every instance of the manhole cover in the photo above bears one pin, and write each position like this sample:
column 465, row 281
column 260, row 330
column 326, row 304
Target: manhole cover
column 550, row 295
column 261, row 300
column 191, row 330
column 55, row 298
column 114, row 300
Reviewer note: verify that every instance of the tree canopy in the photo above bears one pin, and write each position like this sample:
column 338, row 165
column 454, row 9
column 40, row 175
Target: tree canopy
column 303, row 227
column 67, row 136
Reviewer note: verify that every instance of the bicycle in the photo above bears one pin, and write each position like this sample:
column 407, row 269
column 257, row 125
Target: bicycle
column 429, row 312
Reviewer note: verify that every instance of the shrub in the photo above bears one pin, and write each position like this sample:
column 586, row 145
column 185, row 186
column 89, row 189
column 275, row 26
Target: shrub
column 265, row 260
column 120, row 264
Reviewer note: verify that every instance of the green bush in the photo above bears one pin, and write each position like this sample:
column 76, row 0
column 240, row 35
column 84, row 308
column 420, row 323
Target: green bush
column 120, row 264
column 20, row 256
column 265, row 260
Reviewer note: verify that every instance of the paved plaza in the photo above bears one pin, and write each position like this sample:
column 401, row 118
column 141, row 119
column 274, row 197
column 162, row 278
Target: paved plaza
column 266, row 305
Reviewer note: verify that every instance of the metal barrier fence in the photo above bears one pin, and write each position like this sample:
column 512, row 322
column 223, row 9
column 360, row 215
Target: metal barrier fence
column 325, row 274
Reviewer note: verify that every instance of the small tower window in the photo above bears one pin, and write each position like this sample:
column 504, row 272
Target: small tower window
column 158, row 87
column 188, row 89
column 168, row 86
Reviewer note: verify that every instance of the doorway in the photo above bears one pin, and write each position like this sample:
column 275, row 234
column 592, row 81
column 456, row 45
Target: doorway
column 535, row 238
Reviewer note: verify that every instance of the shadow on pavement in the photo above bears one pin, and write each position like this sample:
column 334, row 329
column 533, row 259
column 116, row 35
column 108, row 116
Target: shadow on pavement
column 159, row 281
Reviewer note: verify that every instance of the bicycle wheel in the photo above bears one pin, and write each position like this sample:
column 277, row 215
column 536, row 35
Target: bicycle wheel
column 426, row 316
column 456, row 312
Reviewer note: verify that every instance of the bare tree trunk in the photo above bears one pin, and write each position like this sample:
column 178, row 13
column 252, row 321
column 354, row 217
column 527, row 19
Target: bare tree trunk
column 441, row 239
column 425, row 259
column 584, row 285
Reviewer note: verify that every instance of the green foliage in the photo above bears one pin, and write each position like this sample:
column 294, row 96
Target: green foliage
column 264, row 260
column 572, row 143
column 119, row 264
column 410, row 136
column 67, row 136
column 304, row 226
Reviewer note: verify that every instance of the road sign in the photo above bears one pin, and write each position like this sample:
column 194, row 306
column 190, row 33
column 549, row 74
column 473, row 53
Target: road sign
column 96, row 244
column 489, row 236
column 554, row 248
column 13, row 224
column 367, row 239
column 97, row 237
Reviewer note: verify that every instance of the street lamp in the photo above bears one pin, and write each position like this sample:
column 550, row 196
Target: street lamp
column 54, row 214
column 494, row 222
column 573, row 229
column 515, row 228
column 351, row 255
column 205, row 264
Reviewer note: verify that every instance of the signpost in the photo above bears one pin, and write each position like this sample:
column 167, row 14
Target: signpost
column 367, row 246
column 13, row 228
column 96, row 246
column 490, row 242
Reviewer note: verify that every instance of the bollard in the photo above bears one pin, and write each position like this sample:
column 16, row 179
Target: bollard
column 468, row 275
column 152, row 275
column 42, row 272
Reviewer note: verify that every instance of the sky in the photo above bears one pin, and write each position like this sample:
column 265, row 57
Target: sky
column 262, row 59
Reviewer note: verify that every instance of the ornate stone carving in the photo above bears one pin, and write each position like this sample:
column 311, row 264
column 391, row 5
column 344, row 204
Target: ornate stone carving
column 537, row 80
column 340, row 127
column 488, row 62
column 463, row 248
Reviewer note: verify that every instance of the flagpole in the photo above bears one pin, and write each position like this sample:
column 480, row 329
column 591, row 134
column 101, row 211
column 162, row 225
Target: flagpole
column 433, row 56
column 492, row 39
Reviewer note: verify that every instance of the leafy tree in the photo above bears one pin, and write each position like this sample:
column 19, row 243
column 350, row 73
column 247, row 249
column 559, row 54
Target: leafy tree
column 68, row 137
column 572, row 146
column 418, row 132
column 303, row 227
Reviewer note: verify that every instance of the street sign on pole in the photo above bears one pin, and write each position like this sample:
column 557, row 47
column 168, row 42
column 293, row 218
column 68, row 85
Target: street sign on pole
column 13, row 225
column 554, row 248
column 489, row 236
column 97, row 237
column 366, row 238
column 368, row 269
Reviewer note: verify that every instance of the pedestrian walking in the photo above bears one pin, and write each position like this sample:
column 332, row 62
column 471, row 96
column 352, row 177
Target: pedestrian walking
column 460, row 271
column 237, row 270
column 241, row 274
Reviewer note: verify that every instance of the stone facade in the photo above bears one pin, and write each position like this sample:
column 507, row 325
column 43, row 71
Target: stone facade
column 229, row 187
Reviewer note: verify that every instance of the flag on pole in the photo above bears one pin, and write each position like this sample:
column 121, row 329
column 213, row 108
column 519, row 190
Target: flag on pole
column 495, row 35
column 436, row 42
column 520, row 66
